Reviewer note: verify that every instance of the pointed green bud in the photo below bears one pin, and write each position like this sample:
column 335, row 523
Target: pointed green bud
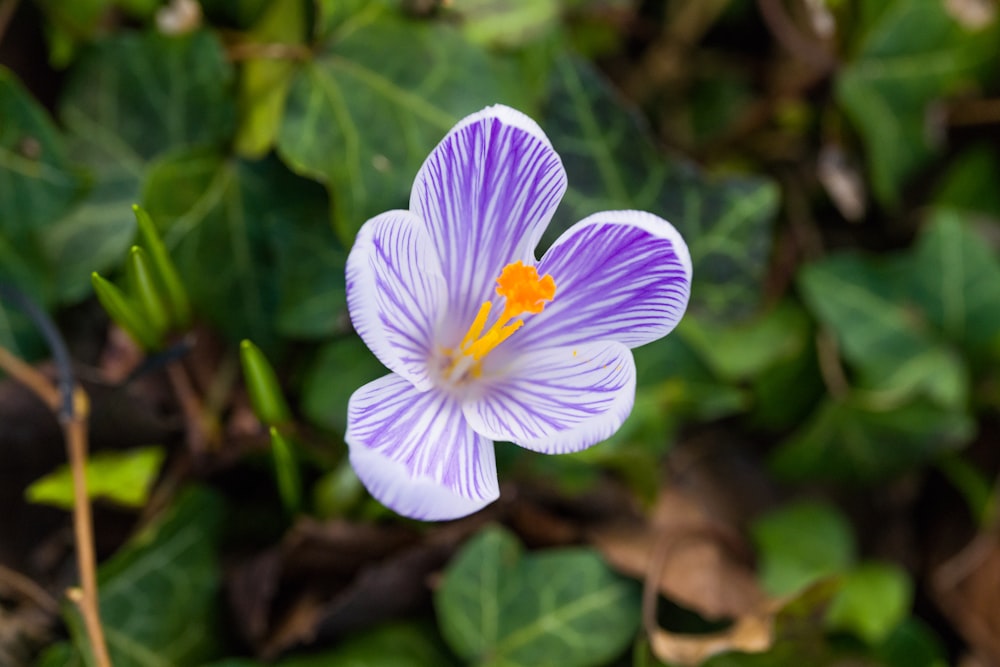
column 164, row 269
column 146, row 290
column 262, row 384
column 124, row 313
column 286, row 472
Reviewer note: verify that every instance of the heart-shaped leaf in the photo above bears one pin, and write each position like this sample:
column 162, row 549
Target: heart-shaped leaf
column 500, row 606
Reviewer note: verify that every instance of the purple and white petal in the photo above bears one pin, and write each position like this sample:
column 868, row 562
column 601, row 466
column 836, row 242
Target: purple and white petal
column 416, row 454
column 396, row 293
column 557, row 400
column 620, row 275
column 486, row 194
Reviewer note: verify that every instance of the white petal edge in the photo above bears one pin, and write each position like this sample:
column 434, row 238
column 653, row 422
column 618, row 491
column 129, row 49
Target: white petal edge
column 541, row 402
column 486, row 193
column 507, row 115
column 569, row 318
column 397, row 321
column 403, row 445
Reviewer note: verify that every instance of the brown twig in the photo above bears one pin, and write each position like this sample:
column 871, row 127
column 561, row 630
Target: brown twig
column 28, row 589
column 788, row 34
column 830, row 368
column 201, row 434
column 70, row 405
column 268, row 51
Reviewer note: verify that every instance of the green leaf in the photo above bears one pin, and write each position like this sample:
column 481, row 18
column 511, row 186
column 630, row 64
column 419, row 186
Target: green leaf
column 969, row 185
column 37, row 181
column 955, row 278
column 124, row 478
column 508, row 24
column 166, row 271
column 160, row 593
column 912, row 644
column 125, row 313
column 266, row 396
column 286, row 471
column 95, row 234
column 883, row 331
column 746, row 350
column 264, row 81
column 914, row 54
column 38, row 185
column 850, row 441
column 855, row 298
column 128, row 99
column 232, row 226
column 136, row 95
column 147, row 291
column 612, row 163
column 873, row 600
column 342, row 367
column 363, row 124
column 799, row 544
column 499, row 606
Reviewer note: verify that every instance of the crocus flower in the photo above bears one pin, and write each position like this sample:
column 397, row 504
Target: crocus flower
column 484, row 341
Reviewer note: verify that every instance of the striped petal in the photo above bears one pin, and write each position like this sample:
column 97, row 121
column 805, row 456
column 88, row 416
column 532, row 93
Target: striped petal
column 395, row 293
column 486, row 193
column 558, row 400
column 620, row 275
column 416, row 454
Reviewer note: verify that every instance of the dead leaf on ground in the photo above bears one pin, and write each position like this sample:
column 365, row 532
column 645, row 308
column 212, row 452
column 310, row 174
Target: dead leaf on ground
column 967, row 589
column 686, row 554
column 329, row 579
column 704, row 564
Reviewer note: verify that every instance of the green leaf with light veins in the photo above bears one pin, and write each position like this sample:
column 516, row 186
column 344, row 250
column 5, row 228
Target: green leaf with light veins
column 363, row 123
column 613, row 163
column 499, row 606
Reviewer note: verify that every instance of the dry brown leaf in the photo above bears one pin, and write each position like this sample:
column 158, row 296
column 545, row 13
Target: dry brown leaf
column 749, row 634
column 967, row 588
column 701, row 566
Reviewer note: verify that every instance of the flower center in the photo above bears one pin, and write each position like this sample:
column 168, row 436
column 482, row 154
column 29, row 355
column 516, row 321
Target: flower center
column 525, row 292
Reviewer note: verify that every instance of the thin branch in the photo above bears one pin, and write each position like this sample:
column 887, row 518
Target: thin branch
column 202, row 433
column 72, row 408
column 806, row 48
column 28, row 589
column 268, row 51
column 830, row 368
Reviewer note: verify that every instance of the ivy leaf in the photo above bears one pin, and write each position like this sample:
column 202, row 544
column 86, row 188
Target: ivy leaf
column 159, row 593
column 249, row 214
column 264, row 81
column 955, row 278
column 363, row 124
column 913, row 54
column 37, row 180
column 127, row 100
column 134, row 96
column 124, row 478
column 612, row 163
column 800, row 544
column 883, row 333
column 873, row 600
column 499, row 606
column 852, row 441
column 38, row 185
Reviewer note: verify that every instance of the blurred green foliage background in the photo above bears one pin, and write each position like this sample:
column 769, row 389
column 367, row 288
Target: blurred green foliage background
column 830, row 401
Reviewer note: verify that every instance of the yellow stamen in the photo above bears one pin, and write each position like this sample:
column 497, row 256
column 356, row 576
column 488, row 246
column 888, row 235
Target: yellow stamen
column 477, row 325
column 524, row 292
